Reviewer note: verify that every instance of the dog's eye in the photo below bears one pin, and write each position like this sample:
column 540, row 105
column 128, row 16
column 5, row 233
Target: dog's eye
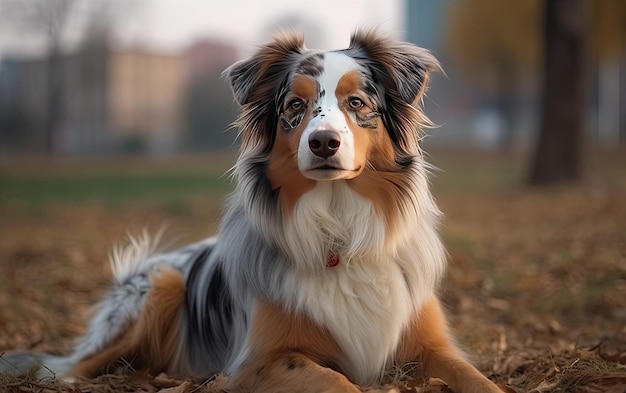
column 355, row 103
column 296, row 105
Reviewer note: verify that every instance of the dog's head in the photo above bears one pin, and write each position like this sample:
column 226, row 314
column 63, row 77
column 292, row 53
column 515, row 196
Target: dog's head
column 320, row 116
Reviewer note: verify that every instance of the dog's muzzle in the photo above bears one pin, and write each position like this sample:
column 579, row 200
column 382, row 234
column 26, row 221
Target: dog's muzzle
column 324, row 143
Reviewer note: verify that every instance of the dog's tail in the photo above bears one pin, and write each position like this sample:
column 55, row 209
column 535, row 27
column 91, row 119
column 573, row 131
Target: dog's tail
column 37, row 365
column 113, row 313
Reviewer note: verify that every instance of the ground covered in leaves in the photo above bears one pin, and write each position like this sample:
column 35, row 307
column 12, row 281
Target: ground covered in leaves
column 536, row 289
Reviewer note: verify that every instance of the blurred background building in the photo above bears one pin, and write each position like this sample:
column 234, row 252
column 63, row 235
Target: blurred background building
column 139, row 76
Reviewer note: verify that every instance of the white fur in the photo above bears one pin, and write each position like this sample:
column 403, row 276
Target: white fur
column 385, row 274
column 129, row 259
column 365, row 301
column 332, row 118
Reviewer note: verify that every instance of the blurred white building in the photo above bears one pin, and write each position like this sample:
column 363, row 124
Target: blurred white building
column 122, row 100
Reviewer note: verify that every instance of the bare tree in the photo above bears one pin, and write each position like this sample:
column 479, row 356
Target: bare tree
column 58, row 21
column 558, row 155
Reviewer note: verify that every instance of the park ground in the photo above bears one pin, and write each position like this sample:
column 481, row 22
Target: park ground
column 536, row 288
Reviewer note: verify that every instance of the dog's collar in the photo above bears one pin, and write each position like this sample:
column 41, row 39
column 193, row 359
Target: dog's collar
column 332, row 259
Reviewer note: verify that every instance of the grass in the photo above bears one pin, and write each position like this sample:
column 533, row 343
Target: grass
column 108, row 187
column 536, row 287
column 75, row 181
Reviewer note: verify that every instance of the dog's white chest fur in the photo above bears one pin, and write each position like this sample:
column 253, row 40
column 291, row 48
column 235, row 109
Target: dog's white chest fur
column 364, row 301
column 364, row 308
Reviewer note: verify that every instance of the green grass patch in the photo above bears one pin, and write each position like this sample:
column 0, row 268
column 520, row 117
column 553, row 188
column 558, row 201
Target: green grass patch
column 463, row 172
column 109, row 187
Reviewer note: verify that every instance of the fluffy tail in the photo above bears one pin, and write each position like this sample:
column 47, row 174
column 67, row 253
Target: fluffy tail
column 131, row 265
column 37, row 365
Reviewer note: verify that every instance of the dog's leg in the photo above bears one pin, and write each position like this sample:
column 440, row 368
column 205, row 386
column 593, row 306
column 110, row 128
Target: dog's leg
column 289, row 353
column 428, row 343
column 289, row 372
column 100, row 361
column 157, row 332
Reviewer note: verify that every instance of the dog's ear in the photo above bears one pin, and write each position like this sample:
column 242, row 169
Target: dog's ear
column 400, row 66
column 400, row 73
column 251, row 78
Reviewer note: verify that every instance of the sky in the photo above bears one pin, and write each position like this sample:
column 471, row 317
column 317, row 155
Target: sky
column 251, row 22
column 166, row 25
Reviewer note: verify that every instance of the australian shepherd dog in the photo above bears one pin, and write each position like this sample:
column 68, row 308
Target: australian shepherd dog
column 324, row 272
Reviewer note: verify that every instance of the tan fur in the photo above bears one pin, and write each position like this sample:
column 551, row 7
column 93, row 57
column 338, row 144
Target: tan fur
column 428, row 343
column 289, row 353
column 157, row 333
column 102, row 360
column 303, row 86
column 349, row 83
column 381, row 188
column 283, row 174
column 282, row 168
column 152, row 340
column 381, row 174
column 274, row 330
column 288, row 372
column 374, row 154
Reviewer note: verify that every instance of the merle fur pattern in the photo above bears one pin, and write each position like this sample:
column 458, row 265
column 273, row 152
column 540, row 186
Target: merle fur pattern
column 250, row 258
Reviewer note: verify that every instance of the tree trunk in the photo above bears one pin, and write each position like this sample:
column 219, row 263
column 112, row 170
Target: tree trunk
column 506, row 103
column 622, row 98
column 558, row 155
column 622, row 80
column 54, row 99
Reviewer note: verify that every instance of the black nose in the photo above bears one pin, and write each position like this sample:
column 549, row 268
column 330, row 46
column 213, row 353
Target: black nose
column 324, row 143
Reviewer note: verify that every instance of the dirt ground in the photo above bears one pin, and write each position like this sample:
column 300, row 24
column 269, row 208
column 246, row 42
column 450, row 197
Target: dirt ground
column 536, row 289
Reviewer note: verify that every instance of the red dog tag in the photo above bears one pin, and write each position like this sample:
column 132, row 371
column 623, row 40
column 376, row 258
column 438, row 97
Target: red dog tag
column 332, row 259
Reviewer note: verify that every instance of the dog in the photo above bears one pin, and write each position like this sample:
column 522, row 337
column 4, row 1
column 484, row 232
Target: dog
column 324, row 271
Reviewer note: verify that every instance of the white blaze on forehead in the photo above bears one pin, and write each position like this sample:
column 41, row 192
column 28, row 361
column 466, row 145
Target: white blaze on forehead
column 336, row 65
column 330, row 117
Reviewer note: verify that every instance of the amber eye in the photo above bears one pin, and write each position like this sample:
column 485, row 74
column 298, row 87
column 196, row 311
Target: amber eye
column 355, row 103
column 296, row 105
